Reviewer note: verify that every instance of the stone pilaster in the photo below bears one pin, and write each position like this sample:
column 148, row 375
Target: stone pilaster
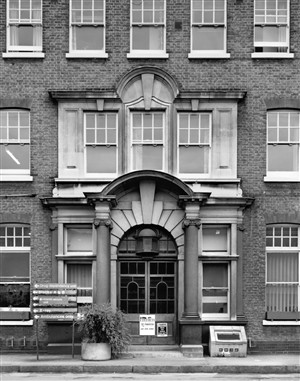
column 191, row 227
column 102, row 292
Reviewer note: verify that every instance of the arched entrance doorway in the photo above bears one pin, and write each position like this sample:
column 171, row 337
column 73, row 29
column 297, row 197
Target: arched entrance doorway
column 147, row 275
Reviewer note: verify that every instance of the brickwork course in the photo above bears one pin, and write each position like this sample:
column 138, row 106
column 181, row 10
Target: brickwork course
column 261, row 79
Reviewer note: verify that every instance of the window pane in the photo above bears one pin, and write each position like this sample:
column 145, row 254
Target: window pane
column 215, row 275
column 215, row 307
column 79, row 239
column 26, row 35
column 147, row 157
column 88, row 38
column 14, row 156
column 193, row 159
column 147, row 38
column 208, row 38
column 14, row 295
column 80, row 273
column 101, row 159
column 14, row 267
column 283, row 158
column 214, row 239
column 270, row 34
column 282, row 267
column 215, row 288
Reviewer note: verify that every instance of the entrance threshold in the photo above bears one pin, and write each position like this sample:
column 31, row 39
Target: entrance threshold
column 165, row 351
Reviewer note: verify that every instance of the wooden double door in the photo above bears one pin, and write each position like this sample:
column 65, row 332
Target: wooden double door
column 149, row 287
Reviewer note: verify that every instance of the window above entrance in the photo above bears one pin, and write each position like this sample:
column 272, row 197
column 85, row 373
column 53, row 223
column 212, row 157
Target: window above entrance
column 147, row 124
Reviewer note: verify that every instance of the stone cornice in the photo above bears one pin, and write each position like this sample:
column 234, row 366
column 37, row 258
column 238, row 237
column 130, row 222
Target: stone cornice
column 212, row 94
column 82, row 94
column 195, row 198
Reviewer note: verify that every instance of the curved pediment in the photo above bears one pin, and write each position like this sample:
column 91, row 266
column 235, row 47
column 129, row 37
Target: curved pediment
column 147, row 84
column 163, row 181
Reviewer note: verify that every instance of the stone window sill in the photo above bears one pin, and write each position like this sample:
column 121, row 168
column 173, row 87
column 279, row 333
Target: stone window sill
column 272, row 55
column 215, row 55
column 14, row 178
column 153, row 55
column 280, row 322
column 23, row 55
column 87, row 55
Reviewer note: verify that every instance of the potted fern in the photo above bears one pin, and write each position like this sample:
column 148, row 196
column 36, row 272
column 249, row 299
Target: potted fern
column 104, row 332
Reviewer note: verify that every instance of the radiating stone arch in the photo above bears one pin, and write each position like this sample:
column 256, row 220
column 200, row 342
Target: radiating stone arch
column 147, row 198
column 147, row 83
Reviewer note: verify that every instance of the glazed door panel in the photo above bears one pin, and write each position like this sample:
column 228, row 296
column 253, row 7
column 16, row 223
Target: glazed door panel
column 149, row 287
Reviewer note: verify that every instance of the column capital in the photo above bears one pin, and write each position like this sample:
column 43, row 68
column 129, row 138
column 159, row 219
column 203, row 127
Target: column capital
column 53, row 226
column 187, row 222
column 98, row 199
column 105, row 222
column 197, row 198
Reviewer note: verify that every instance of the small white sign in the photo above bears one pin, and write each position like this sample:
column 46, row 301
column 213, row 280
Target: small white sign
column 147, row 325
column 162, row 329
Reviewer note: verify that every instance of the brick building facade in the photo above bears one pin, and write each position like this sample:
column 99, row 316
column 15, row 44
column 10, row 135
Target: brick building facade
column 170, row 122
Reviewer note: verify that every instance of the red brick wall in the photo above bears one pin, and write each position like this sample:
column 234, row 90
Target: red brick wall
column 261, row 78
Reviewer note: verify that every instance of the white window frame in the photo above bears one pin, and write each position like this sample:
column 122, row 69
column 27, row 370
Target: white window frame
column 76, row 257
column 80, row 299
column 283, row 249
column 73, row 53
column 209, row 53
column 164, row 142
column 203, row 299
column 276, row 23
column 116, row 144
column 210, row 253
column 16, row 51
column 15, row 174
column 86, row 253
column 147, row 53
column 17, row 249
column 209, row 144
column 283, row 175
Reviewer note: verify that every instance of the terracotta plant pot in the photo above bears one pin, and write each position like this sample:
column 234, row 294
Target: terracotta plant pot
column 95, row 351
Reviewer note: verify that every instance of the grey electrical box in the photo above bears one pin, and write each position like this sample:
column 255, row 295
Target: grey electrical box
column 227, row 341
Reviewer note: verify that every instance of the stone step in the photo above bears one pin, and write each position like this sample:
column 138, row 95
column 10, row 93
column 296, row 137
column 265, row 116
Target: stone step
column 154, row 351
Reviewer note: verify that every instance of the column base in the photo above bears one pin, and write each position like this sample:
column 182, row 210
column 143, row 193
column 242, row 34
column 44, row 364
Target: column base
column 190, row 331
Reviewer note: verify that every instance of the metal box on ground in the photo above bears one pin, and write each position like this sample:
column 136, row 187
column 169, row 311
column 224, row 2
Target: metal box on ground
column 227, row 341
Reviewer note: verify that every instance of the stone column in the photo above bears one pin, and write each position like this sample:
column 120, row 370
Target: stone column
column 191, row 227
column 103, row 226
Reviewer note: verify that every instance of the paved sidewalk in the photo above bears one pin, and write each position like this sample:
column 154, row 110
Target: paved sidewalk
column 258, row 363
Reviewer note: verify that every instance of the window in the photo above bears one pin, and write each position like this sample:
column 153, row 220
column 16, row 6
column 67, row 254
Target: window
column 282, row 272
column 216, row 266
column 194, row 143
column 101, row 149
column 146, row 125
column 76, row 260
column 215, row 240
column 14, row 267
column 24, row 25
column 208, row 28
column 80, row 274
column 271, row 27
column 215, row 290
column 283, row 138
column 87, row 28
column 78, row 240
column 148, row 141
column 14, row 142
column 148, row 28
